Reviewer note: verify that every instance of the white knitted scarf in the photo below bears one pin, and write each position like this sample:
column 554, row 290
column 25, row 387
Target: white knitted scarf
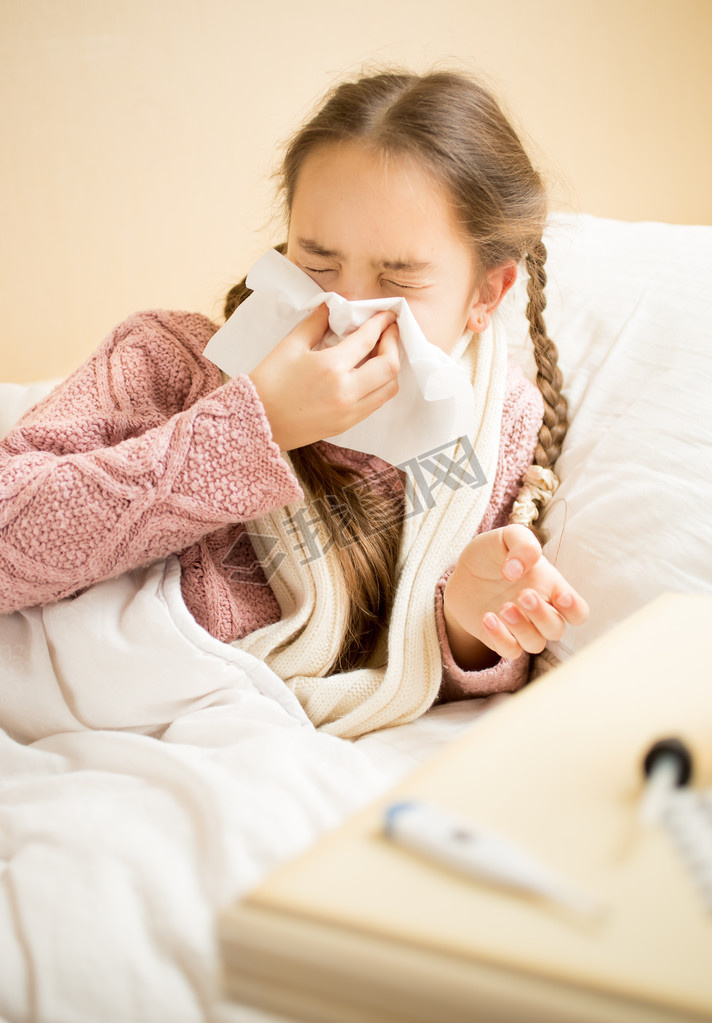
column 404, row 674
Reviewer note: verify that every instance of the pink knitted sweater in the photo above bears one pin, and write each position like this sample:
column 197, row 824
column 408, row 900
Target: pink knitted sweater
column 143, row 452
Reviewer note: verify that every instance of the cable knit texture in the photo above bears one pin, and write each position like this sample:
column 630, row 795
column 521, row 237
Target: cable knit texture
column 143, row 452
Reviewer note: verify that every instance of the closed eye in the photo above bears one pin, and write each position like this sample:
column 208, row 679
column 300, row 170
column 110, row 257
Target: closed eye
column 404, row 287
column 384, row 280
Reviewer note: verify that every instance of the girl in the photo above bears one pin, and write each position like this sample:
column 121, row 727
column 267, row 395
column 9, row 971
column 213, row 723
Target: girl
column 400, row 185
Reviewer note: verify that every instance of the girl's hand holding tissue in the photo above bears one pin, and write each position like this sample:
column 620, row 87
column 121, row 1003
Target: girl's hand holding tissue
column 505, row 597
column 310, row 392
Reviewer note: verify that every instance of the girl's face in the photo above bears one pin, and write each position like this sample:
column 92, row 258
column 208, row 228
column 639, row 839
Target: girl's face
column 367, row 227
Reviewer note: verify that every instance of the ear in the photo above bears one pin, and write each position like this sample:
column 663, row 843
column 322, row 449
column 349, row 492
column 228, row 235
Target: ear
column 498, row 283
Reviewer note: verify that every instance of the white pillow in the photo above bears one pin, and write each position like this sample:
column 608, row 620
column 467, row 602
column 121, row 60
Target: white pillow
column 630, row 309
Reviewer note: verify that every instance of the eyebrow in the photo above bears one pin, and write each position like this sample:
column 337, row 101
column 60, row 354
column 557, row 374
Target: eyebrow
column 385, row 264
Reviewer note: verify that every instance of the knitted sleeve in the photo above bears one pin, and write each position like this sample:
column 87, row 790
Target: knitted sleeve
column 521, row 418
column 140, row 453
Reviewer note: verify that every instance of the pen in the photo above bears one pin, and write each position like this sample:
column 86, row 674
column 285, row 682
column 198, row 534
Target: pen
column 462, row 846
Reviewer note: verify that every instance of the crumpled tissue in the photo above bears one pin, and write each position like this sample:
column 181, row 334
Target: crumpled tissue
column 434, row 405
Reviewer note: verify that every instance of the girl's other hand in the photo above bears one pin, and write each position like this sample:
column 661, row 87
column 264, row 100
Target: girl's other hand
column 504, row 597
column 309, row 393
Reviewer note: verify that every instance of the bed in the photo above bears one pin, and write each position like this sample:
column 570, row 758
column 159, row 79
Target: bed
column 133, row 808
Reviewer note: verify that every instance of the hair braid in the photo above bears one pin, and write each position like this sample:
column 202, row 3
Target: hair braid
column 548, row 377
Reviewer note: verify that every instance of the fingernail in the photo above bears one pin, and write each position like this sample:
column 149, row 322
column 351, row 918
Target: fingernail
column 528, row 600
column 564, row 600
column 513, row 568
column 490, row 621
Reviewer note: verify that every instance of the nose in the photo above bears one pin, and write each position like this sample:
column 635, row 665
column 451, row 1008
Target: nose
column 356, row 287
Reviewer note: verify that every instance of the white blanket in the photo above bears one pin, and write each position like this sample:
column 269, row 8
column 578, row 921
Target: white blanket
column 148, row 775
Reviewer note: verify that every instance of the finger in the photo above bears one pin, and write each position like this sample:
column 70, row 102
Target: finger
column 382, row 366
column 376, row 381
column 522, row 629
column 389, row 344
column 541, row 614
column 499, row 638
column 357, row 345
column 522, row 551
column 312, row 328
column 570, row 605
column 375, row 399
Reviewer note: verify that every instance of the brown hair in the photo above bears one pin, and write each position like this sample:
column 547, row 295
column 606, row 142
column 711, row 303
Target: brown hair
column 455, row 128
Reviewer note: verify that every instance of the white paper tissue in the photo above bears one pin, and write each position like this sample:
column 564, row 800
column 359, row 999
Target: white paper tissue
column 434, row 404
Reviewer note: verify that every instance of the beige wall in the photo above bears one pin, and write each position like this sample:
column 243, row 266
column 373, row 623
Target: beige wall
column 139, row 135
